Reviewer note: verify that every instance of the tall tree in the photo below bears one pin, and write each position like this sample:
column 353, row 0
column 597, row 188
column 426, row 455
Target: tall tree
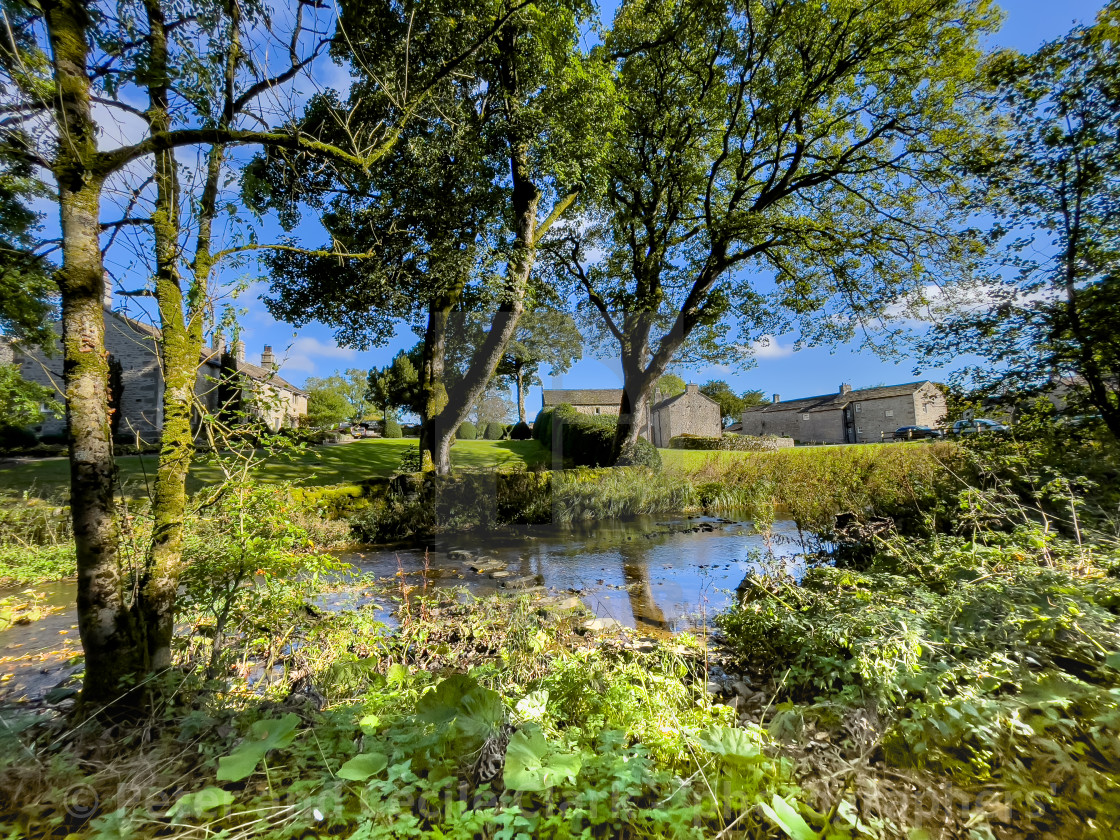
column 1049, row 317
column 544, row 337
column 805, row 142
column 516, row 132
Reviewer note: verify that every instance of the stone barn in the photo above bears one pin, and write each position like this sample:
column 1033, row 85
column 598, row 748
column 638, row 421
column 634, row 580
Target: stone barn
column 690, row 413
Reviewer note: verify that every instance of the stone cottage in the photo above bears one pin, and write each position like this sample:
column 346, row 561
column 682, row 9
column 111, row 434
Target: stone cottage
column 868, row 415
column 690, row 413
column 134, row 345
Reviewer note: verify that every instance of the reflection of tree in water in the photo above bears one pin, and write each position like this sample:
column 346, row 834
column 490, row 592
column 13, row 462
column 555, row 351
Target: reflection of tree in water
column 635, row 569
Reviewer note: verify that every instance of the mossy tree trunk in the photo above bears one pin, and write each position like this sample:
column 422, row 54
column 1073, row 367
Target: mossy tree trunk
column 180, row 349
column 110, row 634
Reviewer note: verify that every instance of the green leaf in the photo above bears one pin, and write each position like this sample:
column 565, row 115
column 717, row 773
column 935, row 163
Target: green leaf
column 734, row 744
column 461, row 702
column 362, row 766
column 534, row 764
column 783, row 815
column 1113, row 661
column 201, row 801
column 264, row 735
column 370, row 724
column 397, row 674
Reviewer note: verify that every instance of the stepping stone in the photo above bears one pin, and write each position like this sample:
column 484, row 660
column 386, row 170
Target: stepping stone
column 598, row 625
column 501, row 573
column 520, row 582
column 460, row 554
column 485, row 565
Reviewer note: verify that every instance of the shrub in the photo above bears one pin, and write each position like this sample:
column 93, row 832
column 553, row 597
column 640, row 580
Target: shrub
column 15, row 438
column 585, row 439
column 520, row 432
column 392, row 428
column 467, row 431
column 494, row 431
column 730, row 443
column 641, row 454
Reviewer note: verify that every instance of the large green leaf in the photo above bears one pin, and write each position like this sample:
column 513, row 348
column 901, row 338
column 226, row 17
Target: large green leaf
column 264, row 735
column 733, row 744
column 783, row 815
column 462, row 703
column 362, row 766
column 535, row 764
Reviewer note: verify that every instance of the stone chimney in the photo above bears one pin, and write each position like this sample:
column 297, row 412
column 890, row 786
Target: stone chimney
column 239, row 350
column 219, row 344
column 777, row 398
column 106, row 290
column 845, row 388
column 268, row 358
column 692, row 388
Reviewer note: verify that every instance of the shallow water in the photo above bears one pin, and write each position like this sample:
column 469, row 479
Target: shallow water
column 658, row 574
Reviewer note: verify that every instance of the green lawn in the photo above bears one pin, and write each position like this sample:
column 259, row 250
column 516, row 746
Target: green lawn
column 344, row 463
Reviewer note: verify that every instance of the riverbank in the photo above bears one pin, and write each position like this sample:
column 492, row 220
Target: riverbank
column 948, row 687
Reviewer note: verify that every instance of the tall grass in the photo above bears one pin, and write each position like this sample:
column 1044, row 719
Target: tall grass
column 813, row 485
column 617, row 493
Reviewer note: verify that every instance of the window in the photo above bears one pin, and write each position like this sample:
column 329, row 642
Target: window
column 804, row 416
column 890, row 412
column 859, row 430
column 597, row 410
column 859, row 408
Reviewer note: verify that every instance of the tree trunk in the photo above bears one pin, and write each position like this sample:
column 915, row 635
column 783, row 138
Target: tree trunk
column 519, row 380
column 110, row 636
column 433, row 388
column 180, row 348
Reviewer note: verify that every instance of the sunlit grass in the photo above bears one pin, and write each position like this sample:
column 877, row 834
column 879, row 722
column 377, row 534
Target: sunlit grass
column 314, row 467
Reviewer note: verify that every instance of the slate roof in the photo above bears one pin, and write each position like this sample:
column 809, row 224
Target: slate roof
column 832, row 402
column 584, row 396
column 665, row 403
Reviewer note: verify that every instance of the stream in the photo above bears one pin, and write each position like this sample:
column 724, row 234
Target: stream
column 660, row 575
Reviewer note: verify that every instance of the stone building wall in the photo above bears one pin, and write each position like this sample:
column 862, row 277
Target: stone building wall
column 136, row 349
column 690, row 413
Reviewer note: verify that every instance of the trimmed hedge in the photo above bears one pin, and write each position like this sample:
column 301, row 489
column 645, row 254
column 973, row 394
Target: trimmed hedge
column 521, row 431
column 494, row 431
column 467, row 431
column 727, row 443
column 587, row 440
column 392, row 428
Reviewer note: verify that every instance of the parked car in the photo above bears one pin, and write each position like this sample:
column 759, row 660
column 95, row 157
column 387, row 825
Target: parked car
column 916, row 433
column 970, row 427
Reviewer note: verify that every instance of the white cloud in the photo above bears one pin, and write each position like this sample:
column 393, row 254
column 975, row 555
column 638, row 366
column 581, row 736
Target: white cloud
column 769, row 347
column 307, row 354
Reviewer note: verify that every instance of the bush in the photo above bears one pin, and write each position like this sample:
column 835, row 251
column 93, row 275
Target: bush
column 392, row 428
column 641, row 454
column 585, row 439
column 521, row 431
column 494, row 431
column 15, row 438
column 730, row 443
column 467, row 431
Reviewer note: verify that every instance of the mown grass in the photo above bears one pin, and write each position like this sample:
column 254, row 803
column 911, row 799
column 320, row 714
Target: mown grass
column 314, row 467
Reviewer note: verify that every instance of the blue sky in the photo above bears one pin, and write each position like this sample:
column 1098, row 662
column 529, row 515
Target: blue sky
column 311, row 351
